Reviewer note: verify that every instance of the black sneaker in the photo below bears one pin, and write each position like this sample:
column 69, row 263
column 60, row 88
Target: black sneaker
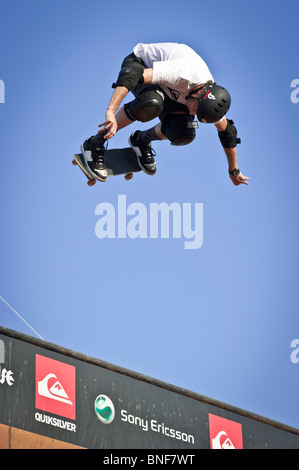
column 94, row 159
column 145, row 154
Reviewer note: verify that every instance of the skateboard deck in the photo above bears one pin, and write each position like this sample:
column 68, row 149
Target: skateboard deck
column 117, row 161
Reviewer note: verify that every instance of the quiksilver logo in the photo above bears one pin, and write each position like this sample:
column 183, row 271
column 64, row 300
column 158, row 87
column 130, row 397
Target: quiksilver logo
column 174, row 93
column 55, row 387
column 56, row 391
column 222, row 441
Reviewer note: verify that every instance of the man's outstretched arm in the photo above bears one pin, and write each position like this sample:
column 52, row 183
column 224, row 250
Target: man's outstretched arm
column 228, row 137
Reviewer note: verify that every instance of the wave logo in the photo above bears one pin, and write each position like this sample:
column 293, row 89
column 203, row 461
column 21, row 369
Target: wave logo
column 222, row 441
column 55, row 387
column 56, row 391
column 224, row 433
column 104, row 409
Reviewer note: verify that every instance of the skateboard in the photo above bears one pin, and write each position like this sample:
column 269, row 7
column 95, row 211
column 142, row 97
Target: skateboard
column 117, row 161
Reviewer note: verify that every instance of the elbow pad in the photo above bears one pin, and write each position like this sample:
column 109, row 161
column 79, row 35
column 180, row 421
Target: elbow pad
column 228, row 137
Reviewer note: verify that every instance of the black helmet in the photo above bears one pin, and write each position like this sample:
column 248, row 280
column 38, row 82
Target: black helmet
column 213, row 104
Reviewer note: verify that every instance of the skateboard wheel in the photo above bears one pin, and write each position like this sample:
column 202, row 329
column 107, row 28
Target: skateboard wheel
column 129, row 176
column 74, row 162
column 91, row 182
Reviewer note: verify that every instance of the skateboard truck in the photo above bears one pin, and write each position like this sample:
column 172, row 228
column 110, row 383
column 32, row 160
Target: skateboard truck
column 90, row 181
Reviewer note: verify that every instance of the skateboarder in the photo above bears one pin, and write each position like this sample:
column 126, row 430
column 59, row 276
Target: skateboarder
column 172, row 82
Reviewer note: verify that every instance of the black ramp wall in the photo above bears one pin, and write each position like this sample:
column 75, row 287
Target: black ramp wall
column 51, row 397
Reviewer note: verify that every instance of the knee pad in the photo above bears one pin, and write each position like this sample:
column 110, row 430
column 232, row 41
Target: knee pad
column 179, row 128
column 146, row 106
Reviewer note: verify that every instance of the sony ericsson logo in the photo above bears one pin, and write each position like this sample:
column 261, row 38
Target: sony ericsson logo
column 104, row 409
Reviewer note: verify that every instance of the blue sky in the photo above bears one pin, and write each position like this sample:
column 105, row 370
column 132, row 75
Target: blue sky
column 218, row 320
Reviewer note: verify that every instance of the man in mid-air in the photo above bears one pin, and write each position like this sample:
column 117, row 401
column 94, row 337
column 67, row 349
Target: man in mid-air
column 172, row 82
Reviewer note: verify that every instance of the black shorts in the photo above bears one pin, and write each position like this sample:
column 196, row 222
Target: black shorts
column 170, row 106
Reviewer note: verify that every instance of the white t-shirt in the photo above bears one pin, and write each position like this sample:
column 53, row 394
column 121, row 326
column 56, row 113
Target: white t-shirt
column 176, row 67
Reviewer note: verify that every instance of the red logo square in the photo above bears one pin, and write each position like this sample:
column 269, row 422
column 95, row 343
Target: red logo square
column 55, row 387
column 224, row 433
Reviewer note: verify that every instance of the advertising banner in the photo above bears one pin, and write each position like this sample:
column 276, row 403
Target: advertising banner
column 71, row 398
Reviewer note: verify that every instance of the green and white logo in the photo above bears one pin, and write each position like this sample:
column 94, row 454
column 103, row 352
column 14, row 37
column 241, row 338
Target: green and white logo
column 104, row 409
